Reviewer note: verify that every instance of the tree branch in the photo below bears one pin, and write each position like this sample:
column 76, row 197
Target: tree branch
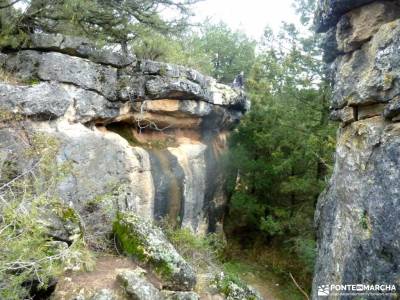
column 10, row 4
column 299, row 288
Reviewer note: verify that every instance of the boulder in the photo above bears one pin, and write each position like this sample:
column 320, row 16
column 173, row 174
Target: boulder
column 345, row 115
column 155, row 80
column 392, row 109
column 171, row 295
column 149, row 67
column 148, row 244
column 137, row 286
column 330, row 46
column 91, row 107
column 51, row 100
column 170, row 88
column 64, row 226
column 76, row 293
column 24, row 65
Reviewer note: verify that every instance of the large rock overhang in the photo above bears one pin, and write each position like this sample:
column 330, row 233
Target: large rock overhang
column 156, row 129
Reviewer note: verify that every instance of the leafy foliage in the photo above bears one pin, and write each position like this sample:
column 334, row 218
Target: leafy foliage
column 201, row 252
column 215, row 50
column 116, row 21
column 230, row 51
column 183, row 50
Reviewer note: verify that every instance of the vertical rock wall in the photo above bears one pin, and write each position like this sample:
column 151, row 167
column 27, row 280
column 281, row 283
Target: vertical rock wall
column 358, row 214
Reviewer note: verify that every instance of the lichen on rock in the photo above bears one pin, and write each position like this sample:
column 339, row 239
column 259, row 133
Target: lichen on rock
column 136, row 285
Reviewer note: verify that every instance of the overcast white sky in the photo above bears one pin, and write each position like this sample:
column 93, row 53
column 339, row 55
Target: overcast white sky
column 249, row 15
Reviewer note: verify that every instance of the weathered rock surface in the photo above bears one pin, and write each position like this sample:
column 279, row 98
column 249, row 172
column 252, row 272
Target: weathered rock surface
column 54, row 66
column 148, row 244
column 51, row 100
column 370, row 75
column 358, row 232
column 359, row 25
column 44, row 100
column 141, row 136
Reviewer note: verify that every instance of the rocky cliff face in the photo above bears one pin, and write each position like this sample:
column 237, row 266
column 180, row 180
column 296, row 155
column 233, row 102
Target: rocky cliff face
column 358, row 214
column 140, row 136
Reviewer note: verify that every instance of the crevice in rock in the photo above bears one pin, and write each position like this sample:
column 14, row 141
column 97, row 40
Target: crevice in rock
column 125, row 130
column 40, row 293
column 387, row 255
column 81, row 87
column 355, row 113
column 142, row 137
column 365, row 222
column 74, row 54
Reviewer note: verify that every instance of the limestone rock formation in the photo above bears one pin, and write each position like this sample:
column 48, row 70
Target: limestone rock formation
column 357, row 215
column 140, row 136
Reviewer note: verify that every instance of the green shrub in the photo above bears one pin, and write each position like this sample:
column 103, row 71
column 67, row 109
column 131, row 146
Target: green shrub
column 29, row 256
column 200, row 251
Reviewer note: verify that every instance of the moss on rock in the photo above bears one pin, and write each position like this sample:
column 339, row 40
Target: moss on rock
column 148, row 244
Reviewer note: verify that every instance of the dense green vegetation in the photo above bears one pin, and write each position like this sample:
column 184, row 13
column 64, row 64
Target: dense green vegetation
column 214, row 49
column 281, row 152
